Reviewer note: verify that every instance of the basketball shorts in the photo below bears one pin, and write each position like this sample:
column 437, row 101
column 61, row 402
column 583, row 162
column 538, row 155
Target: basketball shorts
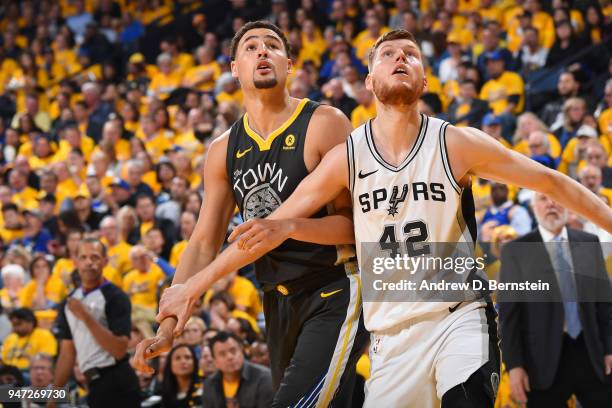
column 414, row 364
column 315, row 337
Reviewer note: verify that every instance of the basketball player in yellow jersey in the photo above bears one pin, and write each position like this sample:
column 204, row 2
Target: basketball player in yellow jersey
column 308, row 290
column 424, row 354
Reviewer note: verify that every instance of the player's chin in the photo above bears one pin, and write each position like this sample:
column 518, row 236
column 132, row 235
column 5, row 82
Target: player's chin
column 265, row 83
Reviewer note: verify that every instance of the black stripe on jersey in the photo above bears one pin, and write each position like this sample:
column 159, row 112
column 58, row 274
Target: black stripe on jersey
column 411, row 155
column 469, row 212
column 350, row 158
column 445, row 161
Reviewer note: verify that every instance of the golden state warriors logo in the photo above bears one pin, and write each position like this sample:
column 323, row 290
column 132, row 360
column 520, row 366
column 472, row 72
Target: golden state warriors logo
column 289, row 142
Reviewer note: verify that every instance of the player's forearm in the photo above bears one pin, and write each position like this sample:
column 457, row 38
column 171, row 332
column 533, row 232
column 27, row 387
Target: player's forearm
column 197, row 256
column 114, row 345
column 231, row 259
column 331, row 230
column 580, row 200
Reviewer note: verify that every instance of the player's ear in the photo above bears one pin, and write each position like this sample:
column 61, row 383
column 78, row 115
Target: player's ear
column 234, row 69
column 368, row 83
column 425, row 84
column 289, row 66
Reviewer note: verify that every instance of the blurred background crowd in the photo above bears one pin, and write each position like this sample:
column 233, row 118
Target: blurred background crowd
column 107, row 108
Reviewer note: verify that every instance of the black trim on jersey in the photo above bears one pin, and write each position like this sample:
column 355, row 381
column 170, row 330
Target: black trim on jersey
column 411, row 154
column 350, row 159
column 468, row 211
column 445, row 161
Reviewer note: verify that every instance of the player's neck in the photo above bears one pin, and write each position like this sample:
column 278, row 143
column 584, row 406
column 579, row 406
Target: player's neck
column 267, row 110
column 395, row 130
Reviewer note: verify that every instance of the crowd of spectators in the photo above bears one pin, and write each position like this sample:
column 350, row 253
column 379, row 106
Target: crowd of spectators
column 107, row 108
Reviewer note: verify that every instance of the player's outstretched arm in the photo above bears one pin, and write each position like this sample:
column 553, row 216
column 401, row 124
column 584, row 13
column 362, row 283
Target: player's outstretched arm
column 319, row 188
column 474, row 153
column 208, row 235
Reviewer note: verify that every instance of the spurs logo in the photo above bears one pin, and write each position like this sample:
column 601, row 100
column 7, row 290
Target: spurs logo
column 394, row 201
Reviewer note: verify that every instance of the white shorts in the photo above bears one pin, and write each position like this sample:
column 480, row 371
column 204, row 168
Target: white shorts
column 415, row 363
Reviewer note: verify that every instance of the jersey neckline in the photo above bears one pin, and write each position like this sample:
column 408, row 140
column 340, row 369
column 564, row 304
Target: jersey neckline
column 411, row 154
column 265, row 144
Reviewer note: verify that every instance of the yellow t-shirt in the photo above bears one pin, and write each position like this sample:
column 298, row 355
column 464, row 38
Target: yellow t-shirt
column 119, row 257
column 235, row 97
column 230, row 388
column 605, row 123
column 364, row 41
column 193, row 75
column 157, row 146
column 497, row 91
column 177, row 251
column 141, row 287
column 63, row 270
column 87, row 147
column 55, row 292
column 113, row 276
column 10, row 235
column 122, row 150
column 163, row 84
column 183, row 62
column 362, row 113
column 17, row 351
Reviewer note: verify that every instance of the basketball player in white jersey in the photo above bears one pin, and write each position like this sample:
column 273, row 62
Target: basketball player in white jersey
column 425, row 354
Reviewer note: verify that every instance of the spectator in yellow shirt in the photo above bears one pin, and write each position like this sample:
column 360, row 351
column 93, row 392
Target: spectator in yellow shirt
column 26, row 340
column 12, row 227
column 23, row 195
column 65, row 266
column 204, row 75
column 366, row 39
column 44, row 291
column 187, row 225
column 166, row 80
column 229, row 90
column 141, row 285
column 505, row 89
column 365, row 110
column 241, row 290
column 117, row 249
column 180, row 60
column 13, row 276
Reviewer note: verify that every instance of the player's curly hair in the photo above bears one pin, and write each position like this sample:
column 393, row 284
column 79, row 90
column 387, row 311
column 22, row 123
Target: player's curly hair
column 257, row 24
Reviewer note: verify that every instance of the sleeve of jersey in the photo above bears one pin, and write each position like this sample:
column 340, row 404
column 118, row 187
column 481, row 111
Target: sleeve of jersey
column 61, row 329
column 118, row 311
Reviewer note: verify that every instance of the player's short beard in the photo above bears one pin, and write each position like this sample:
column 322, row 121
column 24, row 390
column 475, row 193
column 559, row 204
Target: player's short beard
column 395, row 95
column 265, row 83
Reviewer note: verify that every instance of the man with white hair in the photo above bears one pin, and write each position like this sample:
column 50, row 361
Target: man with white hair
column 564, row 346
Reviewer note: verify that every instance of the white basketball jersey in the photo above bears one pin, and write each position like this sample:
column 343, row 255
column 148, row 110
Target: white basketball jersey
column 415, row 202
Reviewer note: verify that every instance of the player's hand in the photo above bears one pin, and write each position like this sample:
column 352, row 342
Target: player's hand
column 608, row 364
column 150, row 348
column 176, row 302
column 78, row 309
column 519, row 385
column 261, row 235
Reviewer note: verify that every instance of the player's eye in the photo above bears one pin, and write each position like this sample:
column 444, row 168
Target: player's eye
column 273, row 46
column 251, row 47
column 388, row 53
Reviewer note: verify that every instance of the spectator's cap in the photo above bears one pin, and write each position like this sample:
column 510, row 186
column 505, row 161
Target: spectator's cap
column 198, row 18
column 136, row 58
column 12, row 270
column 490, row 120
column 586, row 131
column 32, row 212
column 117, row 182
column 453, row 38
column 494, row 56
column 83, row 192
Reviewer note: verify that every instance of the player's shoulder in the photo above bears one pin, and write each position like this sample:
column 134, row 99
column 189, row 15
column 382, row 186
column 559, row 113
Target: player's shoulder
column 326, row 115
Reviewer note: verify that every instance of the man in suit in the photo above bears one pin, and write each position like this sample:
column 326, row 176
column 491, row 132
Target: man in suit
column 562, row 347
